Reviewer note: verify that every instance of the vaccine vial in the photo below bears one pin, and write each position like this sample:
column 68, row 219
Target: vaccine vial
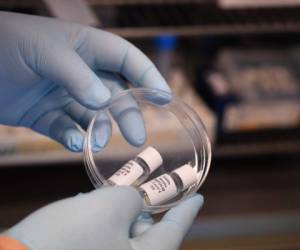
column 167, row 186
column 138, row 170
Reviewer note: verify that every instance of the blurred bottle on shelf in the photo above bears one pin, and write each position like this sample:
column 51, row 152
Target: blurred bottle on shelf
column 165, row 56
column 171, row 64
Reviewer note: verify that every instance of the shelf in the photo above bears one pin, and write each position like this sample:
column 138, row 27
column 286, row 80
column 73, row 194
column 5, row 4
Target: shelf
column 195, row 19
column 145, row 19
column 257, row 149
column 209, row 30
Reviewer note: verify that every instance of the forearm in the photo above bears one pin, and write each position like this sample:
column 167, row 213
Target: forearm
column 8, row 243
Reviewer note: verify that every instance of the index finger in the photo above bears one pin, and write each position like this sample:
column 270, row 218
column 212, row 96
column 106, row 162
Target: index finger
column 113, row 53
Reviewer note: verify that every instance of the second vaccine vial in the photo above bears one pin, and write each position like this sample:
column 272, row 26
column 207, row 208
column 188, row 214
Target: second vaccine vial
column 167, row 186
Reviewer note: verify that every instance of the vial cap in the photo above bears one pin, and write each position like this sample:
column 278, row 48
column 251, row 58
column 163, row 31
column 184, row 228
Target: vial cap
column 152, row 157
column 187, row 175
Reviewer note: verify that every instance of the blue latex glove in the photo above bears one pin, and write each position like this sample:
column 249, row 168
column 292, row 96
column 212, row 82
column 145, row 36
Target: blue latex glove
column 53, row 74
column 102, row 220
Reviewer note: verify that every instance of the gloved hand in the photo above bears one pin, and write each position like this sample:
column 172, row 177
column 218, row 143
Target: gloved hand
column 102, row 220
column 49, row 81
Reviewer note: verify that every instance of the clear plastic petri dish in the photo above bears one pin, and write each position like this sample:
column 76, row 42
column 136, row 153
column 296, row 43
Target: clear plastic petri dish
column 167, row 165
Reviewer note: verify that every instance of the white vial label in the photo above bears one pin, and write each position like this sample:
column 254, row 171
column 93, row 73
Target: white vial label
column 127, row 174
column 160, row 189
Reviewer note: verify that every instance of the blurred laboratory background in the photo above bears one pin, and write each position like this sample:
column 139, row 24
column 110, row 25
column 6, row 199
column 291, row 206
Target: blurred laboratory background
column 237, row 63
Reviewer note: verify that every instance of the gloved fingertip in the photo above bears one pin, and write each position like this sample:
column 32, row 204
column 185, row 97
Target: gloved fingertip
column 154, row 80
column 128, row 196
column 130, row 202
column 161, row 98
column 97, row 146
column 195, row 201
column 101, row 137
column 132, row 126
column 145, row 217
column 141, row 224
column 163, row 85
column 97, row 95
column 73, row 140
column 128, row 191
column 158, row 81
